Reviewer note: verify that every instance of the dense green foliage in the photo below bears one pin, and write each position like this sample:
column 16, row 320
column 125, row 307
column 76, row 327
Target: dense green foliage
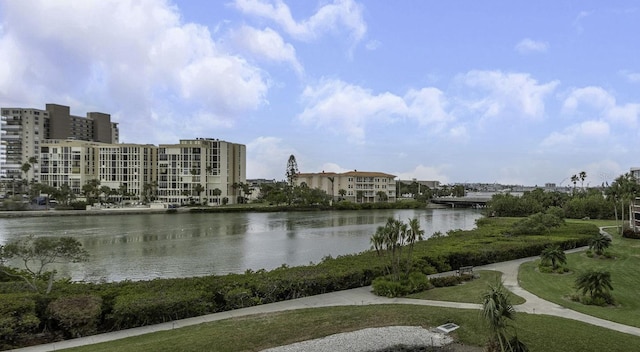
column 77, row 315
column 128, row 304
column 18, row 319
column 590, row 204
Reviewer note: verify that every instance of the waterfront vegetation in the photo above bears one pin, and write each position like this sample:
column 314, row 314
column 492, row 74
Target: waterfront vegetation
column 129, row 304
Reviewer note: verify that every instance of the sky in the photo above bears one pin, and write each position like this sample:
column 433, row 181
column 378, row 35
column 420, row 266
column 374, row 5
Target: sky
column 510, row 92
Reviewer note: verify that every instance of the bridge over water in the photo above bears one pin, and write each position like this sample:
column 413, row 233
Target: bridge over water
column 471, row 200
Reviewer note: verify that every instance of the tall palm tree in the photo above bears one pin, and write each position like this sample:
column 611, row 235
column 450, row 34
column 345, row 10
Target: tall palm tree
column 599, row 243
column 595, row 282
column 497, row 311
column 414, row 233
column 555, row 255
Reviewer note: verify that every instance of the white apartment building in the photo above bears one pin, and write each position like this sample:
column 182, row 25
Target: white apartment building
column 21, row 133
column 198, row 169
column 117, row 166
column 24, row 129
column 358, row 186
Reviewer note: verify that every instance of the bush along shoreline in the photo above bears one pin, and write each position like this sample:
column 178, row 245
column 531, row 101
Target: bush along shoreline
column 74, row 309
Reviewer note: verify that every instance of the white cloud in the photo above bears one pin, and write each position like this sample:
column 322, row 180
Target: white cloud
column 428, row 106
column 595, row 97
column 527, row 46
column 333, row 167
column 267, row 158
column 347, row 109
column 599, row 102
column 373, row 45
column 574, row 136
column 268, row 44
column 330, row 17
column 136, row 55
column 425, row 173
column 513, row 94
column 633, row 77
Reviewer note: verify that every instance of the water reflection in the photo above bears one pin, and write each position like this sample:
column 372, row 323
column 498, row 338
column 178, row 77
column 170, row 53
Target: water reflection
column 157, row 245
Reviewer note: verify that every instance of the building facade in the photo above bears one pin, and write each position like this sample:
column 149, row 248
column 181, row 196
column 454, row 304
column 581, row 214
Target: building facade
column 24, row 129
column 121, row 167
column 201, row 170
column 357, row 186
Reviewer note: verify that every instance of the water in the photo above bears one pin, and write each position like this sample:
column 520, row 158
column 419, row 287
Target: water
column 147, row 246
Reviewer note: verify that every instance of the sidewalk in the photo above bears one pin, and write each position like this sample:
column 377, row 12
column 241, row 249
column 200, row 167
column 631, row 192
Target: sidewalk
column 355, row 297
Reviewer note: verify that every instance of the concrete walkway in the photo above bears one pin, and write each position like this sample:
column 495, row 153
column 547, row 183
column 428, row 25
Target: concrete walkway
column 358, row 296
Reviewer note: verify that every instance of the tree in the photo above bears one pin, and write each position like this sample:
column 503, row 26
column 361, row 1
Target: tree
column 199, row 189
column 497, row 311
column 599, row 243
column 622, row 191
column 342, row 192
column 582, row 176
column 149, row 191
column 554, row 255
column 292, row 170
column 37, row 253
column 382, row 196
column 64, row 194
column 359, row 196
column 91, row 190
column 390, row 240
column 217, row 192
column 595, row 282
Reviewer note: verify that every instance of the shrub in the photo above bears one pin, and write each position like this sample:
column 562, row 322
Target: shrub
column 18, row 319
column 630, row 233
column 76, row 315
column 137, row 309
column 385, row 287
column 445, row 281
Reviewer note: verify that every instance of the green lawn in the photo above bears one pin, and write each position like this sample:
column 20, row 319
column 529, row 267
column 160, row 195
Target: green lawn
column 540, row 333
column 625, row 269
column 468, row 292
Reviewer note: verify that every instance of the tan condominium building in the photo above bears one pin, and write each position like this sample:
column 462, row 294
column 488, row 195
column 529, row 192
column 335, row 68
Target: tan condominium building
column 201, row 170
column 24, row 129
column 355, row 186
column 195, row 170
column 125, row 168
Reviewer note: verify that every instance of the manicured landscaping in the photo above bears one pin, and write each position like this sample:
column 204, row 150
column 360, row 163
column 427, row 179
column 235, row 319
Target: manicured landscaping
column 624, row 268
column 130, row 304
column 254, row 333
column 468, row 292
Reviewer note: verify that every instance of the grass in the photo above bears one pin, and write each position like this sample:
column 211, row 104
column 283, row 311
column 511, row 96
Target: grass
column 624, row 274
column 468, row 292
column 254, row 333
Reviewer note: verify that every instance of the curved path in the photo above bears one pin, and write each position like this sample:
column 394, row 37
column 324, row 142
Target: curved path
column 359, row 296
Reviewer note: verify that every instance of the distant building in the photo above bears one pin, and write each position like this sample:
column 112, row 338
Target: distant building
column 358, row 186
column 118, row 166
column 195, row 168
column 24, row 129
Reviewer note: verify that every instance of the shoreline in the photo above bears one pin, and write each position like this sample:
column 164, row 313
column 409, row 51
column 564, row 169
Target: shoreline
column 98, row 212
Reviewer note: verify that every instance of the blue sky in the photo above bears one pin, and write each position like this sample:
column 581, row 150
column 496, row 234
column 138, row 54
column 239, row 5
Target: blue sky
column 455, row 91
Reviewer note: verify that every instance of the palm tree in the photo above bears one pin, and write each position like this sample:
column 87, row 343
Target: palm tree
column 595, row 282
column 217, row 192
column 497, row 311
column 555, row 255
column 599, row 243
column 342, row 192
column 199, row 189
column 415, row 233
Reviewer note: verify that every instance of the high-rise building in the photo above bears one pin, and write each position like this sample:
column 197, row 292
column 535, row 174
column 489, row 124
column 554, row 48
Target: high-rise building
column 24, row 129
column 201, row 170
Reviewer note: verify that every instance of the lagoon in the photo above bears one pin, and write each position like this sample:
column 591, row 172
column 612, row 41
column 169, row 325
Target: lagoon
column 148, row 246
